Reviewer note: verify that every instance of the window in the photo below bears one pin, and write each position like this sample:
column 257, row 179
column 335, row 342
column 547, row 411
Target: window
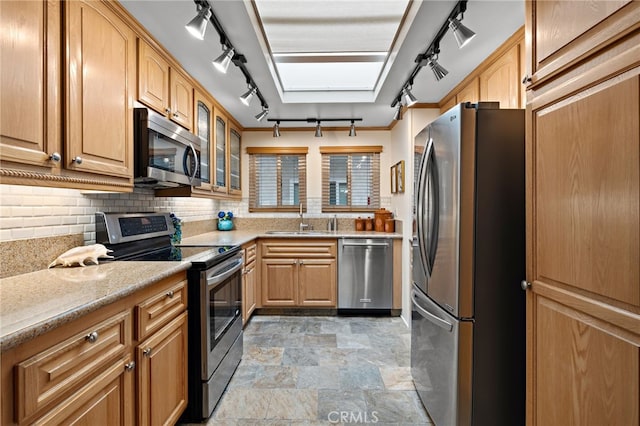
column 350, row 178
column 277, row 178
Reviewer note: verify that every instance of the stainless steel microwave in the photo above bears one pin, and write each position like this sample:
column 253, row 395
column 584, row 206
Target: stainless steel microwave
column 166, row 154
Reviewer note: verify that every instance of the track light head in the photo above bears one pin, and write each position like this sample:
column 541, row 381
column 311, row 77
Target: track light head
column 398, row 114
column 438, row 70
column 247, row 96
column 222, row 62
column 462, row 34
column 409, row 99
column 318, row 130
column 276, row 130
column 262, row 114
column 352, row 130
column 198, row 25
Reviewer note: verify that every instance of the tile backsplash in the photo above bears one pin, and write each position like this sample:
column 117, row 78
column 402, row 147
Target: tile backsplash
column 28, row 212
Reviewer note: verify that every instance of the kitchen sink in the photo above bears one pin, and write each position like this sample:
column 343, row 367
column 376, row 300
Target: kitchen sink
column 299, row 232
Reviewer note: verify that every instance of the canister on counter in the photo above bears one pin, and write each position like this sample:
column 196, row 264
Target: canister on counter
column 359, row 224
column 368, row 224
column 380, row 216
column 389, row 225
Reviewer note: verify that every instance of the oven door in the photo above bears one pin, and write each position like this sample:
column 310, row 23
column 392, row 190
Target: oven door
column 221, row 306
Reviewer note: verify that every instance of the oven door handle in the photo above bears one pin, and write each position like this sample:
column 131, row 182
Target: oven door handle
column 218, row 278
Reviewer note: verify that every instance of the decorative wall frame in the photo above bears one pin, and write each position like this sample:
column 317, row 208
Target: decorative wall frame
column 399, row 167
column 394, row 177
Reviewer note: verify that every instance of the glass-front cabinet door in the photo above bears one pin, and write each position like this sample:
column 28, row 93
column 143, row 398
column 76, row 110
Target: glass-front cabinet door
column 204, row 117
column 234, row 162
column 220, row 183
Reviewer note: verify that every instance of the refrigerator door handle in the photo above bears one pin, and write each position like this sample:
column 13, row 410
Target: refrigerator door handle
column 421, row 208
column 428, row 315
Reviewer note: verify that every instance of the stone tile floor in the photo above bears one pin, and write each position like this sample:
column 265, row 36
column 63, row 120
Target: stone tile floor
column 322, row 370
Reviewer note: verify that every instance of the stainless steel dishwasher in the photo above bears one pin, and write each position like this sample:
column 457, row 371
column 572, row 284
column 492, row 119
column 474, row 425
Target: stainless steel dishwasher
column 365, row 274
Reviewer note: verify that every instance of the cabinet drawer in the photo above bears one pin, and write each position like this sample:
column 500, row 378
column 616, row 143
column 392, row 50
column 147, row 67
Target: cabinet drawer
column 289, row 248
column 161, row 308
column 250, row 253
column 48, row 375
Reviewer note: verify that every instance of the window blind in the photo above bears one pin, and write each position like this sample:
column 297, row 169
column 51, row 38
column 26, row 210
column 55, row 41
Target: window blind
column 277, row 179
column 350, row 179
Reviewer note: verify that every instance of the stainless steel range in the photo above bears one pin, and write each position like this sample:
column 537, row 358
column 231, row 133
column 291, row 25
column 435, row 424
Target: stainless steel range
column 214, row 298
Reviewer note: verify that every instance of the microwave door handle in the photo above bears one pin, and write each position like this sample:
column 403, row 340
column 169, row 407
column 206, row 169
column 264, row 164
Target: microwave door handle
column 185, row 163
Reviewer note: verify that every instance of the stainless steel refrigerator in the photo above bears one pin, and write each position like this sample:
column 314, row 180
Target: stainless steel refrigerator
column 468, row 316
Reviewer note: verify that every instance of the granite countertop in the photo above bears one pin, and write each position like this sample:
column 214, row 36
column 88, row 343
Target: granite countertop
column 242, row 237
column 34, row 303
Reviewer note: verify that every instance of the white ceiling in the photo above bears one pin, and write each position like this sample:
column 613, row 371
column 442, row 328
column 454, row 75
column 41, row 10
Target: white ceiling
column 493, row 22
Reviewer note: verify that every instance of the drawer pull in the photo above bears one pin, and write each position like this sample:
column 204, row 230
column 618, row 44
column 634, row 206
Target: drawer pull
column 129, row 366
column 92, row 337
column 169, row 294
column 147, row 352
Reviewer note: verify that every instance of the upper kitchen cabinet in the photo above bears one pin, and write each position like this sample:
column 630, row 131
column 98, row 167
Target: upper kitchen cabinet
column 164, row 88
column 31, row 103
column 235, row 156
column 94, row 88
column 500, row 82
column 99, row 89
column 220, row 168
column 203, row 106
column 564, row 33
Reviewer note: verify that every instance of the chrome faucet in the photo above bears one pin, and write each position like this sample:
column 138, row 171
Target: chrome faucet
column 303, row 226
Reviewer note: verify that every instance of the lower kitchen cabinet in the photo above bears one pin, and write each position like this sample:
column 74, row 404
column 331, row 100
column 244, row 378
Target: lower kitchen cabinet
column 83, row 372
column 249, row 282
column 162, row 374
column 299, row 273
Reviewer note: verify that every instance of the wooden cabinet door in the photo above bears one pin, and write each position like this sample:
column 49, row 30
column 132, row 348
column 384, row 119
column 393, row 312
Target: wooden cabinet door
column 181, row 99
column 162, row 374
column 30, row 82
column 105, row 400
column 153, row 78
column 469, row 93
column 583, row 227
column 249, row 291
column 203, row 128
column 317, row 282
column 235, row 157
column 100, row 85
column 220, row 182
column 501, row 81
column 279, row 282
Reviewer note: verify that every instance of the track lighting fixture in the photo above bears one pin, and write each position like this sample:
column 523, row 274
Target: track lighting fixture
column 352, row 130
column 247, row 96
column 222, row 62
column 262, row 114
column 429, row 57
column 317, row 121
column 438, row 70
column 198, row 25
column 409, row 99
column 462, row 34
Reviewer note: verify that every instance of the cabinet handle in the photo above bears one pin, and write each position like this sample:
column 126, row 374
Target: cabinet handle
column 526, row 79
column 55, row 157
column 129, row 366
column 175, row 115
column 169, row 294
column 525, row 285
column 91, row 337
column 77, row 160
column 167, row 111
column 301, row 262
column 147, row 352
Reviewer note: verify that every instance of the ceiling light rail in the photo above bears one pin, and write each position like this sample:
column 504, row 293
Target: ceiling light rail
column 317, row 121
column 198, row 26
column 462, row 35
